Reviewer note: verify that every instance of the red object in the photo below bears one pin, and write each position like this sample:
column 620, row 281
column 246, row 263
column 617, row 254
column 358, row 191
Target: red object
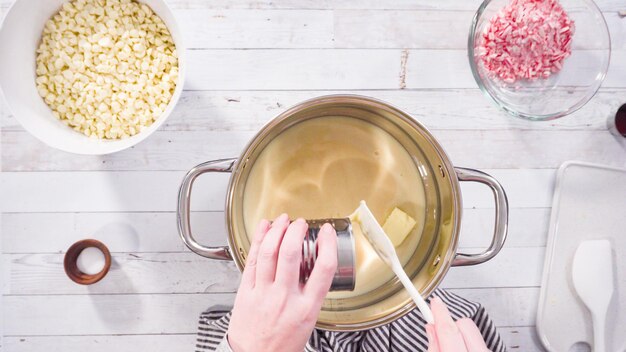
column 620, row 120
column 526, row 39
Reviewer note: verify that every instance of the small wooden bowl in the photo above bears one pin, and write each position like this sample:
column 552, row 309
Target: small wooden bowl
column 71, row 256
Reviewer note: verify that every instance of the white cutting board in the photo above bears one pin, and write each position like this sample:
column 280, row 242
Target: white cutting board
column 589, row 203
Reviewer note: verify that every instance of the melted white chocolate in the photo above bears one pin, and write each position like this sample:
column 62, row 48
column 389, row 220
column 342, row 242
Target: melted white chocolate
column 322, row 168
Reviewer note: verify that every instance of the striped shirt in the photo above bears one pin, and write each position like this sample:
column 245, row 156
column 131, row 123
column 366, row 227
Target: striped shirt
column 406, row 334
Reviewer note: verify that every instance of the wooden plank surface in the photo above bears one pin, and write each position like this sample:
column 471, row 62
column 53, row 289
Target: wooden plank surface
column 334, row 69
column 518, row 337
column 444, row 5
column 146, row 273
column 347, row 69
column 138, row 190
column 145, row 314
column 107, row 314
column 122, row 232
column 103, row 343
column 180, row 150
column 208, row 28
column 28, row 233
column 250, row 110
column 434, row 29
column 248, row 61
column 176, row 273
column 343, row 28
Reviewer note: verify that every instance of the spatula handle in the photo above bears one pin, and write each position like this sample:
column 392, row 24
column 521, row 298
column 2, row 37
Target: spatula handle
column 598, row 333
column 414, row 293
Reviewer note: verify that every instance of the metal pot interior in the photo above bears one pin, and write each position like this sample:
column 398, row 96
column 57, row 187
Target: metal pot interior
column 437, row 245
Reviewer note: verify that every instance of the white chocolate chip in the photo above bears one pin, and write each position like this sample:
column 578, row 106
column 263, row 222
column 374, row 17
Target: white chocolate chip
column 106, row 68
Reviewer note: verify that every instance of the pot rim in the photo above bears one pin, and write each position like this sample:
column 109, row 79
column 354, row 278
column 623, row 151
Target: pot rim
column 355, row 99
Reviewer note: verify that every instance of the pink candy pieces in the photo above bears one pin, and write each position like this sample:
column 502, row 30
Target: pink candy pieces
column 527, row 39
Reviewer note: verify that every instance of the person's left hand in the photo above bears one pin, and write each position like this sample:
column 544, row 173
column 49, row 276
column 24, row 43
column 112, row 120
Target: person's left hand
column 273, row 311
column 446, row 335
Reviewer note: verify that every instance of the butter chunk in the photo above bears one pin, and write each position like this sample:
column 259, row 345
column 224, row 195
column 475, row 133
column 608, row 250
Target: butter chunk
column 398, row 225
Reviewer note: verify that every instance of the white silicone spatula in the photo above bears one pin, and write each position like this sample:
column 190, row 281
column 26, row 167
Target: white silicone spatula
column 592, row 275
column 386, row 251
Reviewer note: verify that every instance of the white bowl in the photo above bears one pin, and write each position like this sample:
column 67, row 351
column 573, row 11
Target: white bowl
column 20, row 35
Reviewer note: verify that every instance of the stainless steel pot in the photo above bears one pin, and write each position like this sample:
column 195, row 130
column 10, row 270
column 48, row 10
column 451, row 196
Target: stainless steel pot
column 437, row 249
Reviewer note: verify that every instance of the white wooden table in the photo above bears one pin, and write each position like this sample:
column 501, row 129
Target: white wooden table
column 248, row 61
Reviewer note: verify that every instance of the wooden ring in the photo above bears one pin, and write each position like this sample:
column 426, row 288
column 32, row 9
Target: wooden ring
column 71, row 256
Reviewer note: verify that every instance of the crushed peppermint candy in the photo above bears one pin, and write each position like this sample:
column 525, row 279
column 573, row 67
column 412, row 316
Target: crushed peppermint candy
column 526, row 39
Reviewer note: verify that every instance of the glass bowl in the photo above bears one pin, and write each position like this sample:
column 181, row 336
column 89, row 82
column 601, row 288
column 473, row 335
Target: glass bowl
column 561, row 93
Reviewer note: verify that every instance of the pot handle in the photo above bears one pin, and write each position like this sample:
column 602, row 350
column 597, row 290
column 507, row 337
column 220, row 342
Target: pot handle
column 183, row 211
column 502, row 217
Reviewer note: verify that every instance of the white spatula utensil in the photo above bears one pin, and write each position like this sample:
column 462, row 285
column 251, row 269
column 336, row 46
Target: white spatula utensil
column 592, row 275
column 385, row 249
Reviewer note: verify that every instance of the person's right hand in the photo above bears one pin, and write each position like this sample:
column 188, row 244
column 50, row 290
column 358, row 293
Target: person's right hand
column 273, row 311
column 449, row 336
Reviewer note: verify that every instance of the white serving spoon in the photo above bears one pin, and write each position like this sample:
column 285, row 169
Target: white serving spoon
column 592, row 275
column 385, row 249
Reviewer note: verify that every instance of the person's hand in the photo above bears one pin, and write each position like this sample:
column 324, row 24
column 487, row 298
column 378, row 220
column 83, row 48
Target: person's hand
column 447, row 336
column 273, row 311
